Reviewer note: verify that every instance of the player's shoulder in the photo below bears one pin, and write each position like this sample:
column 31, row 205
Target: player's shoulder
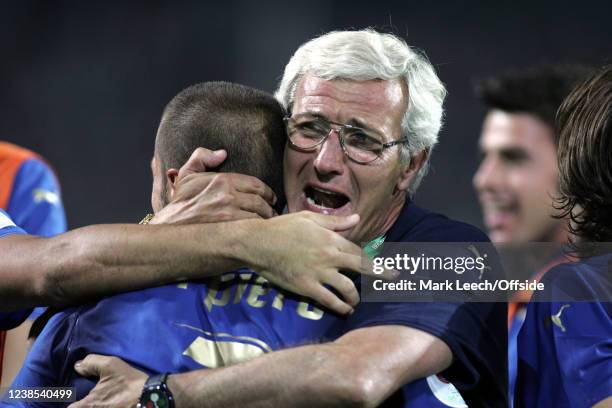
column 587, row 279
column 12, row 151
column 20, row 168
column 417, row 224
column 23, row 159
column 35, row 171
column 160, row 299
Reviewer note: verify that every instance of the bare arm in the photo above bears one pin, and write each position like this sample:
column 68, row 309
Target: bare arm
column 100, row 260
column 360, row 369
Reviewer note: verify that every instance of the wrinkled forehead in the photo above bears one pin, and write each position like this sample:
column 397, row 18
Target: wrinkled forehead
column 379, row 103
column 378, row 91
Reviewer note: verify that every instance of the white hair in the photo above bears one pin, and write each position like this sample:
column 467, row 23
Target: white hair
column 366, row 55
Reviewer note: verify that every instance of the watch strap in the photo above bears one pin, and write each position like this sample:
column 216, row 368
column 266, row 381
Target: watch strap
column 155, row 393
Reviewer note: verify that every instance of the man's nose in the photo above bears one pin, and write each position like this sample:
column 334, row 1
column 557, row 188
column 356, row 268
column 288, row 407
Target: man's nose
column 488, row 176
column 330, row 158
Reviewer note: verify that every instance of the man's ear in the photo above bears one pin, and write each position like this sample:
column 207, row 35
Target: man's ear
column 171, row 177
column 410, row 171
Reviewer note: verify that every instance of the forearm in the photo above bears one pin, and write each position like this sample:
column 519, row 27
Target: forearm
column 362, row 368
column 105, row 259
column 309, row 376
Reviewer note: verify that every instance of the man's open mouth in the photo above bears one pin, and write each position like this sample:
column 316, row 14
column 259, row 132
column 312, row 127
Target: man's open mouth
column 325, row 199
column 497, row 213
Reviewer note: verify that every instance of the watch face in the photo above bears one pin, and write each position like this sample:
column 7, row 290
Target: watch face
column 155, row 399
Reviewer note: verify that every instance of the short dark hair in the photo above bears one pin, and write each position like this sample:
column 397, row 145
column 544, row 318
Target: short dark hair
column 584, row 122
column 538, row 91
column 246, row 122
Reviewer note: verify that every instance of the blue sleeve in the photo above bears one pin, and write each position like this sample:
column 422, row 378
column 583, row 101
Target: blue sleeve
column 35, row 203
column 584, row 352
column 45, row 364
column 12, row 319
column 582, row 334
column 565, row 346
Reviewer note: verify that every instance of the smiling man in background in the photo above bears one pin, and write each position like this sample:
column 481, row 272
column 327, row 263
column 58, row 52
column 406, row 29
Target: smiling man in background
column 517, row 180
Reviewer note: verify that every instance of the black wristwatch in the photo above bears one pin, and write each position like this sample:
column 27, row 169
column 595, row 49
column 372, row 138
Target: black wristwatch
column 156, row 393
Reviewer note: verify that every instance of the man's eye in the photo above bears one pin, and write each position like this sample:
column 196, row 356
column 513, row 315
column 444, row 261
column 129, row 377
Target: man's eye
column 311, row 129
column 363, row 141
column 514, row 156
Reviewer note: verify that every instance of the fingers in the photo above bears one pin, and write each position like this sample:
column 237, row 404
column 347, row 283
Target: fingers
column 354, row 263
column 227, row 192
column 255, row 204
column 345, row 286
column 388, row 274
column 237, row 215
column 202, row 160
column 367, row 268
column 335, row 223
column 79, row 404
column 91, row 366
column 253, row 185
column 347, row 247
column 240, row 183
column 327, row 299
column 363, row 265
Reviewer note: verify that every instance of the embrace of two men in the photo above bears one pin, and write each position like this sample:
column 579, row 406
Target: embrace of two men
column 361, row 113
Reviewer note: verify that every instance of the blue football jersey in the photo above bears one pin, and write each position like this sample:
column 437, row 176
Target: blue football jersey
column 176, row 328
column 565, row 347
column 239, row 316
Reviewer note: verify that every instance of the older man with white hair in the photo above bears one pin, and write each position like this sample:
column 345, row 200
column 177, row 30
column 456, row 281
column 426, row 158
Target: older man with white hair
column 364, row 112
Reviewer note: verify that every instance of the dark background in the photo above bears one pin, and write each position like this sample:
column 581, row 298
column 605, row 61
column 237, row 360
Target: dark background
column 84, row 83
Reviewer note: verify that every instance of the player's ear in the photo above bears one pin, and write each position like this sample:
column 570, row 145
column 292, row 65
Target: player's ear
column 171, row 177
column 410, row 171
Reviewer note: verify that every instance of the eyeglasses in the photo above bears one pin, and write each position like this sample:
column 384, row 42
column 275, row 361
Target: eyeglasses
column 360, row 145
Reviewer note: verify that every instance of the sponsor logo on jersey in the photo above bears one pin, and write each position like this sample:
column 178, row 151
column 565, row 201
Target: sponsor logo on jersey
column 41, row 195
column 556, row 318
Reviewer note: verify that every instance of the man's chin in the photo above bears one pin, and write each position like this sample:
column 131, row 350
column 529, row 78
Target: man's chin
column 501, row 237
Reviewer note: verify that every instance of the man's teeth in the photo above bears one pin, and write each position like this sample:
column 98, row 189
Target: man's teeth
column 324, row 191
column 323, row 199
column 311, row 201
column 492, row 206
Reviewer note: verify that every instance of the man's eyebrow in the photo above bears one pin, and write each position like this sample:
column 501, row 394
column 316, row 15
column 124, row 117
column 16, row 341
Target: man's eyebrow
column 312, row 115
column 352, row 122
